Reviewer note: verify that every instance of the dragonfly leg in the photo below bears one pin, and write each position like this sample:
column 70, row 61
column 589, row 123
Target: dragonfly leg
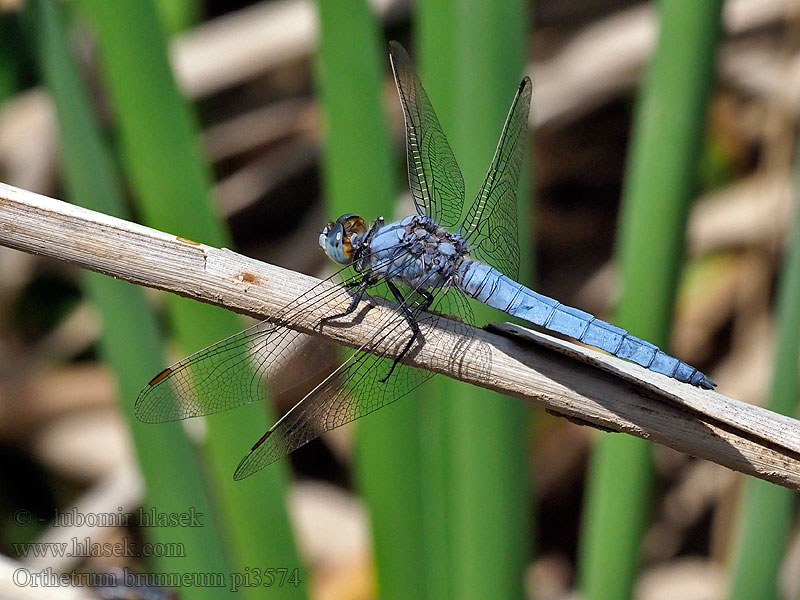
column 354, row 285
column 409, row 319
column 359, row 294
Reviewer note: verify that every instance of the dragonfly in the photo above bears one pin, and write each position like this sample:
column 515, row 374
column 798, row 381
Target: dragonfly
column 428, row 263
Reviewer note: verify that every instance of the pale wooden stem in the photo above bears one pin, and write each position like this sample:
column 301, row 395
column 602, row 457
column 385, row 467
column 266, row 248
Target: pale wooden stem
column 572, row 381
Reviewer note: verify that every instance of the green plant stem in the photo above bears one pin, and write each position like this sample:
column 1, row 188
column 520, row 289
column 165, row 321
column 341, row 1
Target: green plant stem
column 178, row 15
column 659, row 183
column 767, row 511
column 359, row 178
column 131, row 343
column 475, row 488
column 170, row 179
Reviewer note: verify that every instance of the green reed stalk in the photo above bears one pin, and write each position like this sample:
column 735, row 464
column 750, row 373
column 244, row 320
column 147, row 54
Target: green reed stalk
column 131, row 342
column 178, row 15
column 767, row 510
column 475, row 489
column 170, row 180
column 659, row 183
column 359, row 177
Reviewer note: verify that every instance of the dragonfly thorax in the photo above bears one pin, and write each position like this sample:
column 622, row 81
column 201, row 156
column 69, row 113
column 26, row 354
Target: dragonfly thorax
column 414, row 250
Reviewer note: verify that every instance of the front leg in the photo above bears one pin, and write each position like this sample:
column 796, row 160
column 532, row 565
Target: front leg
column 357, row 296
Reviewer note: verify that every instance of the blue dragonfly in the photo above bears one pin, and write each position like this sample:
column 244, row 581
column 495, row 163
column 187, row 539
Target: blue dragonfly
column 418, row 262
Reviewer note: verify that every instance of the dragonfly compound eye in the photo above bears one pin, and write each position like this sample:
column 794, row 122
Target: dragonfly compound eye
column 338, row 239
column 337, row 244
column 323, row 236
column 352, row 224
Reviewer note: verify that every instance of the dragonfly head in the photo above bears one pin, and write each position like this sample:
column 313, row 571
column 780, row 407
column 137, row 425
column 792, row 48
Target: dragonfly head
column 337, row 240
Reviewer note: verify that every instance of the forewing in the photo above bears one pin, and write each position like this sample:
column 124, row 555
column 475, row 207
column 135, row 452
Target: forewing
column 490, row 225
column 436, row 183
column 234, row 371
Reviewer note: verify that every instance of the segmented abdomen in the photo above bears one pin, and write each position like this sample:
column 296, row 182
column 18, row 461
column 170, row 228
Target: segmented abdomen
column 491, row 287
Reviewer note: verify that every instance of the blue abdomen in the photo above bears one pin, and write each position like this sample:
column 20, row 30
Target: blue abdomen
column 491, row 287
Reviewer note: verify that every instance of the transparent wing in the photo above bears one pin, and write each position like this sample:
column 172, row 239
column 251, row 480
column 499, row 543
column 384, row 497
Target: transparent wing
column 490, row 225
column 433, row 175
column 237, row 370
column 363, row 383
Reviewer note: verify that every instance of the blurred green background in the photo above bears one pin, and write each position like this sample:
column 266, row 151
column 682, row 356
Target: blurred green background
column 658, row 193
